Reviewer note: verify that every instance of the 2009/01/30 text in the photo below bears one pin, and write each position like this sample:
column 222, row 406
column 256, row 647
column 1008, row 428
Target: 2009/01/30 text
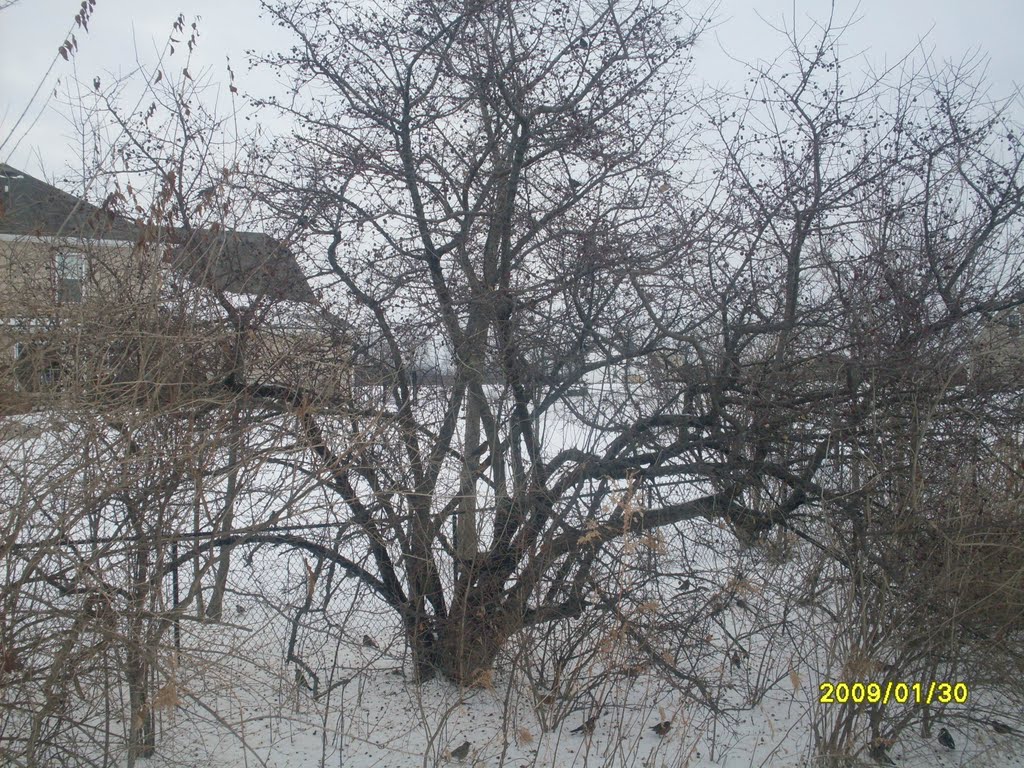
column 893, row 693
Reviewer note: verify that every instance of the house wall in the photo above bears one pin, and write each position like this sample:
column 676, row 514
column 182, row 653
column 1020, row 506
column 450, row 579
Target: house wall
column 36, row 304
column 26, row 286
column 119, row 337
column 31, row 271
column 299, row 358
column 998, row 356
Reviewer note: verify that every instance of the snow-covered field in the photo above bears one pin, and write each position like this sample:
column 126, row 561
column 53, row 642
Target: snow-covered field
column 236, row 703
column 728, row 645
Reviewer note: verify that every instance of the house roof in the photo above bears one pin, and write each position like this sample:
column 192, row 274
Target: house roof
column 227, row 260
column 239, row 262
column 32, row 207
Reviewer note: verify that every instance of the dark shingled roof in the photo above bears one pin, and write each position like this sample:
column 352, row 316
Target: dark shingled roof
column 29, row 206
column 239, row 262
column 236, row 262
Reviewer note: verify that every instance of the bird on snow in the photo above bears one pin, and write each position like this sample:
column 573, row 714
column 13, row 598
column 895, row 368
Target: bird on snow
column 998, row 727
column 878, row 753
column 588, row 725
column 369, row 642
column 662, row 728
column 460, row 753
column 945, row 739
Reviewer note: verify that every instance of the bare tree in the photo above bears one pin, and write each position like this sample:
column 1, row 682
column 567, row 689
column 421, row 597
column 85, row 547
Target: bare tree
column 500, row 181
column 488, row 179
column 593, row 320
column 862, row 242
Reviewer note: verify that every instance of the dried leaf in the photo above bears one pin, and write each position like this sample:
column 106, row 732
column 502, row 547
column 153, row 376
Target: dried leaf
column 587, row 538
column 9, row 661
column 483, row 678
column 166, row 697
column 63, row 52
column 310, row 580
column 794, row 678
column 523, row 736
column 649, row 607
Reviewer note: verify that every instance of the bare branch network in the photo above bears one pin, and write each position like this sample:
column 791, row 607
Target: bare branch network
column 535, row 339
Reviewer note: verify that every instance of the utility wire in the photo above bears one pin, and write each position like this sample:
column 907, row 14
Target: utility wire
column 193, row 536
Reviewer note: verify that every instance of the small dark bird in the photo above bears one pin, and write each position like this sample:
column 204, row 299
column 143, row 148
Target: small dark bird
column 879, row 755
column 998, row 727
column 460, row 753
column 574, row 183
column 736, row 660
column 662, row 728
column 583, row 43
column 369, row 642
column 240, row 610
column 588, row 726
column 945, row 739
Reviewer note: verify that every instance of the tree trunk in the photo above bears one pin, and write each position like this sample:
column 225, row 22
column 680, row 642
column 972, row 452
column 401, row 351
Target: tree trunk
column 140, row 650
column 141, row 730
column 470, row 638
column 215, row 609
column 465, row 522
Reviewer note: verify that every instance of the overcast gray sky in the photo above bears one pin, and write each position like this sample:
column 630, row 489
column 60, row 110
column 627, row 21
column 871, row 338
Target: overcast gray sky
column 124, row 31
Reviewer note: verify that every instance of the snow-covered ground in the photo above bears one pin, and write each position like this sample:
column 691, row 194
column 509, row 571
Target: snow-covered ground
column 758, row 629
column 237, row 703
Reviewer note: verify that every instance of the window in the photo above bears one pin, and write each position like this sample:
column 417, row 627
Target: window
column 70, row 277
column 1013, row 323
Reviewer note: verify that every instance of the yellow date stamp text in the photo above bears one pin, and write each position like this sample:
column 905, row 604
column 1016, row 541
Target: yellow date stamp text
column 891, row 692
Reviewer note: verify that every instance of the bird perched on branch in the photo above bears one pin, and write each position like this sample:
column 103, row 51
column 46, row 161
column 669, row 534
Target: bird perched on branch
column 945, row 739
column 460, row 753
column 662, row 728
column 588, row 726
